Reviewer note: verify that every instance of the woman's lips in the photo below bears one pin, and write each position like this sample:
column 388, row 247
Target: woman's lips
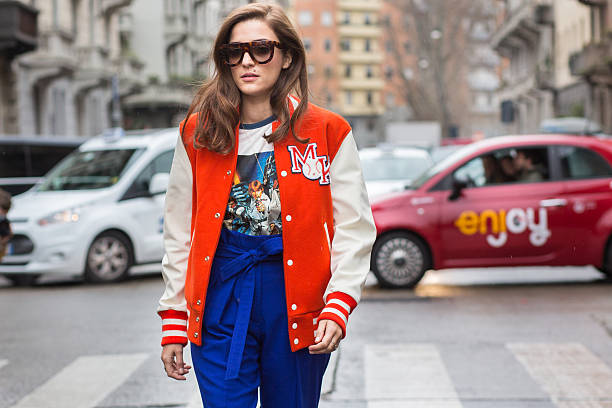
column 249, row 77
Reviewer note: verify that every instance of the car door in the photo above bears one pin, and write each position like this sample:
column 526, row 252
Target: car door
column 588, row 194
column 147, row 210
column 502, row 220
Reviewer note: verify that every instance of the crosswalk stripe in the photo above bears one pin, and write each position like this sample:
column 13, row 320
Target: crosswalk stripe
column 410, row 375
column 3, row 363
column 570, row 374
column 83, row 383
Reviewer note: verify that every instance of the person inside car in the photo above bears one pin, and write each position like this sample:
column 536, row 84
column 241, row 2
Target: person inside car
column 507, row 167
column 492, row 170
column 529, row 166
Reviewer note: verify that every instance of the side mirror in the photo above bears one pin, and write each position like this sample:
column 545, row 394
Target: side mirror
column 159, row 183
column 457, row 188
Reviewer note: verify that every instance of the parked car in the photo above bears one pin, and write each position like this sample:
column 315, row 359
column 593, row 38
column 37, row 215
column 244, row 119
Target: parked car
column 461, row 214
column 388, row 169
column 98, row 212
column 24, row 161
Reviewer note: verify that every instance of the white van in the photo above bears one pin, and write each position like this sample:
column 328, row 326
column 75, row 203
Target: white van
column 98, row 212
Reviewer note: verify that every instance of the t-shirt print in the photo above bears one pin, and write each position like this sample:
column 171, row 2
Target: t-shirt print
column 253, row 206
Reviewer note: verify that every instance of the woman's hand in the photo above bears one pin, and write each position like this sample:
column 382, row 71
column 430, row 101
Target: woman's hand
column 328, row 337
column 172, row 357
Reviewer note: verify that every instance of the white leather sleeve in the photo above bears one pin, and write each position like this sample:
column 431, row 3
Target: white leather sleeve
column 354, row 229
column 177, row 227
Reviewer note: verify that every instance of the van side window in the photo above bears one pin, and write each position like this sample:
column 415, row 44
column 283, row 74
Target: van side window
column 140, row 186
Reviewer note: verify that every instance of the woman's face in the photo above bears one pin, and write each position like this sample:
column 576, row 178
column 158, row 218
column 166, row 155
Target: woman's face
column 254, row 79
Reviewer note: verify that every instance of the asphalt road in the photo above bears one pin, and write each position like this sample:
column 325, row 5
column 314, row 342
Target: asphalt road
column 528, row 337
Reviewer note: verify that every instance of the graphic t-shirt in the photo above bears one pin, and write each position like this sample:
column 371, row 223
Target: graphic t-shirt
column 253, row 206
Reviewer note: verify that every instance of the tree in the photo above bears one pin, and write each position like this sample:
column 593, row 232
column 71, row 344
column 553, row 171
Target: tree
column 432, row 77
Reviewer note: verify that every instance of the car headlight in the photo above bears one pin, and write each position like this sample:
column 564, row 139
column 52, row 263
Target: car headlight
column 61, row 217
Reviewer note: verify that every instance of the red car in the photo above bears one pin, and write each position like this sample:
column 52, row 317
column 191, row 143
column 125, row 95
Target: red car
column 505, row 201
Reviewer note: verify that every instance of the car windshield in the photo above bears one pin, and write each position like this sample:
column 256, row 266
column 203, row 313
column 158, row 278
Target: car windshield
column 441, row 165
column 88, row 170
column 393, row 167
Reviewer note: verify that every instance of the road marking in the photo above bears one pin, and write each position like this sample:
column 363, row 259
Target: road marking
column 570, row 374
column 3, row 363
column 407, row 376
column 83, row 383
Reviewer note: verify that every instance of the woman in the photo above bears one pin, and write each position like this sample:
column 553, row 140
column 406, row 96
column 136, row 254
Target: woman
column 269, row 294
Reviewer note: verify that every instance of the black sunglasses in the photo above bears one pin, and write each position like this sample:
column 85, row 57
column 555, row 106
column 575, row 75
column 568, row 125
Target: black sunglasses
column 260, row 51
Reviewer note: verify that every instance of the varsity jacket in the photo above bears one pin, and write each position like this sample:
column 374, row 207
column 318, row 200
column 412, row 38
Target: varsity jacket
column 328, row 230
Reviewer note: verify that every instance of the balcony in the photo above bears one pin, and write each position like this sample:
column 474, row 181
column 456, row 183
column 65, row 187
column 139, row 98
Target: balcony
column 593, row 3
column 361, row 57
column 176, row 30
column 18, row 28
column 360, row 31
column 362, row 84
column 522, row 27
column 594, row 59
column 109, row 7
column 360, row 5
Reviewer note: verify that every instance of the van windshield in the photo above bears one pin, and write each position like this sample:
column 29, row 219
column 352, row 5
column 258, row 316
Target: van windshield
column 88, row 170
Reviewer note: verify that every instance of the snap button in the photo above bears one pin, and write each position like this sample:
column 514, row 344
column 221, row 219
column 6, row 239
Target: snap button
column 284, row 173
column 229, row 172
column 294, row 326
column 207, row 258
column 195, row 335
column 290, row 262
column 293, row 306
column 199, row 302
column 197, row 319
column 296, row 341
column 288, row 218
column 217, row 215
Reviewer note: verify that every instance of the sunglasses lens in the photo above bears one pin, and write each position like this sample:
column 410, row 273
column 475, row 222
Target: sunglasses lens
column 261, row 51
column 233, row 54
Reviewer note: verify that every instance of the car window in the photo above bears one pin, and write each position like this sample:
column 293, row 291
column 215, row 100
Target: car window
column 140, row 186
column 86, row 170
column 581, row 163
column 392, row 167
column 502, row 166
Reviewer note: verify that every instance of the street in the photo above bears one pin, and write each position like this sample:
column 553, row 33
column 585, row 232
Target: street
column 523, row 337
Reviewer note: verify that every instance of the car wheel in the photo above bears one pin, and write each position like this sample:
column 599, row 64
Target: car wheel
column 399, row 260
column 109, row 258
column 28, row 279
column 606, row 268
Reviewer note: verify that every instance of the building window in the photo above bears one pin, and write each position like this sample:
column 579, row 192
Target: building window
column 369, row 71
column 390, row 99
column 368, row 45
column 328, row 71
column 305, row 18
column 367, row 19
column 327, row 44
column 347, row 71
column 311, row 69
column 389, row 72
column 345, row 44
column 349, row 97
column 389, row 45
column 307, row 44
column 329, row 99
column 407, row 47
column 326, row 19
column 347, row 18
column 369, row 98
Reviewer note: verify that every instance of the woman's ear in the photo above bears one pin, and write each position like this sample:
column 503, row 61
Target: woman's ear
column 287, row 59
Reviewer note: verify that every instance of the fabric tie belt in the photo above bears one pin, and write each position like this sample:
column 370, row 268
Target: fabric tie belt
column 244, row 264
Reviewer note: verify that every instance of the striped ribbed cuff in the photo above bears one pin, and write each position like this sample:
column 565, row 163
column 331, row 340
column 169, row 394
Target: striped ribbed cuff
column 338, row 307
column 174, row 327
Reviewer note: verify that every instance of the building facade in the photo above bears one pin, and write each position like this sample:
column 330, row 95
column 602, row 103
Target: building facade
column 343, row 44
column 65, row 86
column 525, row 36
column 593, row 63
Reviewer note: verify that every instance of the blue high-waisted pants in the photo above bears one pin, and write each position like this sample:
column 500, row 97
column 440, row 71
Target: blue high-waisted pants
column 245, row 340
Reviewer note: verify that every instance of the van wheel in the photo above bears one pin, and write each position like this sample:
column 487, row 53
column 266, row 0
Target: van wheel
column 109, row 258
column 399, row 260
column 23, row 279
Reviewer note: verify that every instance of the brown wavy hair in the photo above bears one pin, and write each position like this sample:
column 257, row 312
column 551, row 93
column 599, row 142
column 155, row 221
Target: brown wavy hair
column 218, row 100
